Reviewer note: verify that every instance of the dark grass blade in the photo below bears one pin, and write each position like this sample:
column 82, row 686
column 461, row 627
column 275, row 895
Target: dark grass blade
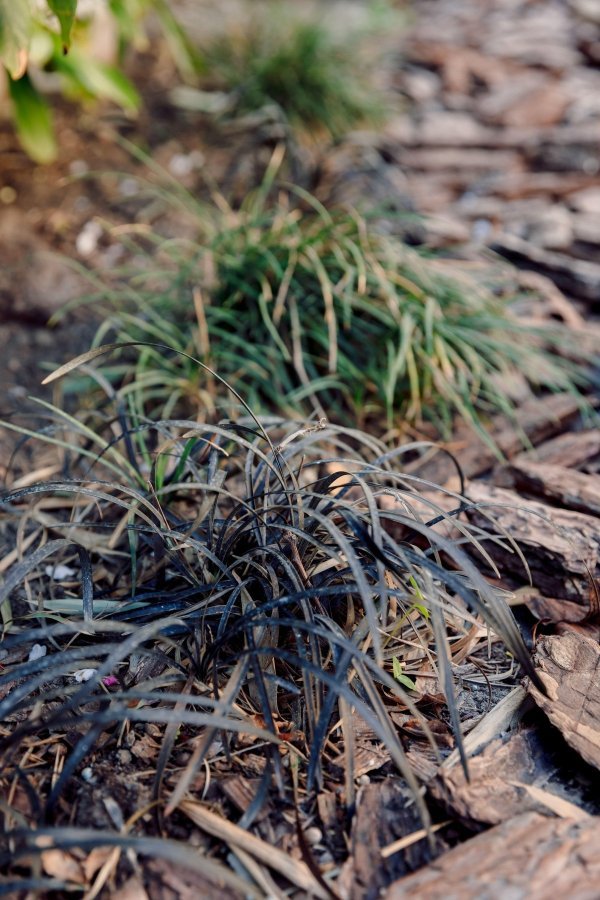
column 446, row 680
column 109, row 348
column 16, row 887
column 28, row 843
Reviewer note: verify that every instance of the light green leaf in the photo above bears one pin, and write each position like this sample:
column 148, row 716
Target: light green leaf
column 33, row 120
column 64, row 10
column 15, row 30
column 99, row 80
column 399, row 675
column 186, row 57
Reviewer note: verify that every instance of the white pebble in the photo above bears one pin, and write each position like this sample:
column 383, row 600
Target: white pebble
column 129, row 187
column 78, row 167
column 36, row 652
column 59, row 573
column 313, row 835
column 84, row 674
column 88, row 237
column 182, row 164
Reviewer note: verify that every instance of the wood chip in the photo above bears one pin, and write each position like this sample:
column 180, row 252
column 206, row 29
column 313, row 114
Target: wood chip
column 384, row 814
column 561, row 547
column 133, row 889
column 569, row 667
column 167, row 881
column 329, row 810
column 460, row 159
column 552, row 610
column 367, row 758
column 557, row 484
column 539, row 419
column 573, row 449
column 241, row 792
column 504, row 716
column 94, row 861
column 513, row 774
column 553, row 299
column 528, row 856
column 577, row 277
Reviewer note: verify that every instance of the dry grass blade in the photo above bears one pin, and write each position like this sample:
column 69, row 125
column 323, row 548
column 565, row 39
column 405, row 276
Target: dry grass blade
column 410, row 839
column 293, row 870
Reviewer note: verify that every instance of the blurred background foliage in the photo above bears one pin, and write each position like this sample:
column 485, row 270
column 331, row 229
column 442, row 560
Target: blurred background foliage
column 271, row 53
column 77, row 49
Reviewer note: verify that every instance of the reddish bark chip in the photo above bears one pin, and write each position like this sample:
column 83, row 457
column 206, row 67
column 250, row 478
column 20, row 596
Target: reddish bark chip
column 528, row 856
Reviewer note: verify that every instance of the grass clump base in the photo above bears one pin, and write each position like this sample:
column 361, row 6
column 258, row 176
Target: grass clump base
column 244, row 590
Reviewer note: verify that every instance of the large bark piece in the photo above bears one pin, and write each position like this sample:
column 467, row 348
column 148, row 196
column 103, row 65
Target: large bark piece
column 569, row 667
column 562, row 547
column 515, row 773
column 539, row 419
column 577, row 277
column 574, row 449
column 527, row 857
column 384, row 813
column 557, row 484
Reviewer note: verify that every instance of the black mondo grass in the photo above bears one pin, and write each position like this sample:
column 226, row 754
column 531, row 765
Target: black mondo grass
column 245, row 586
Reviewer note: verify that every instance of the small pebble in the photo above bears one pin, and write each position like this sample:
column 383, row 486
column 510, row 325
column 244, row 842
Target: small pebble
column 124, row 757
column 129, row 187
column 60, row 572
column 183, row 164
column 36, row 652
column 87, row 239
column 313, row 835
column 87, row 774
column 78, row 168
column 481, row 230
column 84, row 675
column 8, row 195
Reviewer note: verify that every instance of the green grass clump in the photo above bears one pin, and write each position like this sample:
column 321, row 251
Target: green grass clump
column 297, row 65
column 306, row 309
column 256, row 585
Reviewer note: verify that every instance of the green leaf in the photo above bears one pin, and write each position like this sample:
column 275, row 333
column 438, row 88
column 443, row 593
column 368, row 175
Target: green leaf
column 15, row 30
column 420, row 607
column 99, row 80
column 64, row 10
column 399, row 675
column 186, row 57
column 33, row 120
column 160, row 470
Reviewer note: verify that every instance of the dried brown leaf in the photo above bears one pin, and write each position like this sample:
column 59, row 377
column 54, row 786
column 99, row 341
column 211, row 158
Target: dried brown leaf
column 60, row 864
